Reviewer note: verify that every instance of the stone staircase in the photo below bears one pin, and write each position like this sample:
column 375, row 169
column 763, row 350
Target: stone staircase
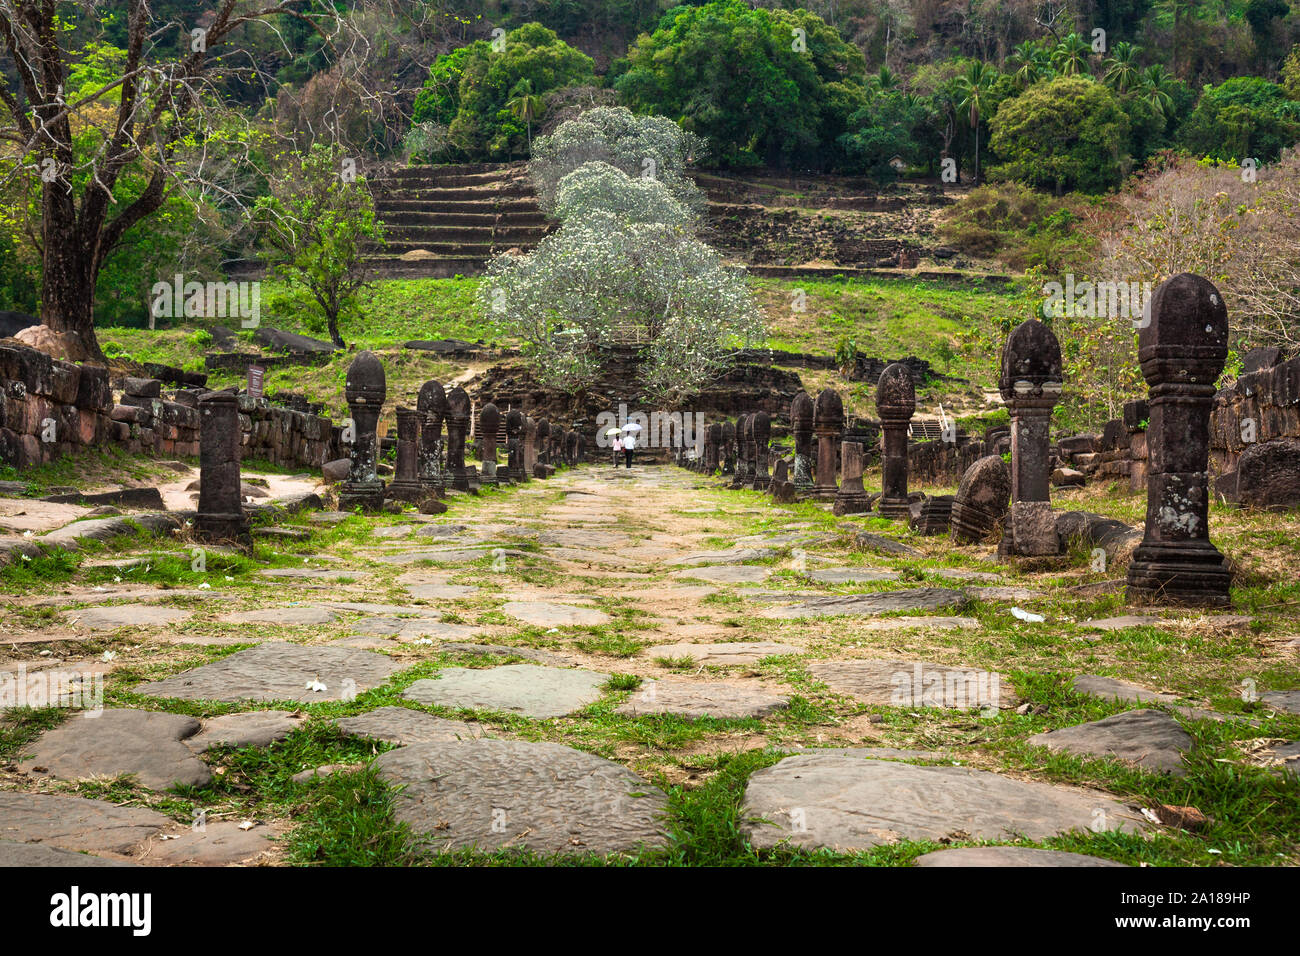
column 442, row 221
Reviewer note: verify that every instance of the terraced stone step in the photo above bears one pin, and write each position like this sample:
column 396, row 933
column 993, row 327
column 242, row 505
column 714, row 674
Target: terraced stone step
column 403, row 214
column 463, row 235
column 447, row 193
column 469, row 250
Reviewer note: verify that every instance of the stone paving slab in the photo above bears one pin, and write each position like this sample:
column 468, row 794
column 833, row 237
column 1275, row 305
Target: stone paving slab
column 849, row 804
column 256, row 728
column 700, row 699
column 441, row 531
column 1005, row 594
column 1112, row 689
column 918, row 621
column 75, row 823
column 363, row 642
column 1285, row 700
column 404, row 726
column 872, row 605
column 585, row 538
column 40, row 855
column 409, row 629
column 549, row 614
column 528, row 653
column 543, row 797
column 727, row 574
column 1151, row 739
column 1009, row 856
column 894, row 683
column 527, row 689
column 437, row 591
column 733, row 556
column 852, row 575
column 146, row 744
column 279, row 671
column 300, row 615
column 311, row 574
column 112, row 617
column 219, row 843
column 738, row 652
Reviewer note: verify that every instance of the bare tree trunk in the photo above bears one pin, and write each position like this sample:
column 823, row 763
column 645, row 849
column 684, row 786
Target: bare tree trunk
column 69, row 273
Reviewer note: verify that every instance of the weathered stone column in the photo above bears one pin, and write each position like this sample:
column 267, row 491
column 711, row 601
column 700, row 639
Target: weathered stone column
column 801, row 424
column 544, row 441
column 529, row 446
column 743, row 431
column 1182, row 351
column 828, row 421
column 514, row 445
column 895, row 403
column 221, row 502
column 727, row 451
column 762, row 429
column 365, row 389
column 851, row 499
column 713, row 450
column 406, row 484
column 432, row 406
column 489, row 419
column 1030, row 382
column 457, row 430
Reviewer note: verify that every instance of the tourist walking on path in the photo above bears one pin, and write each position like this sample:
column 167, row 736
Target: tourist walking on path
column 629, row 445
column 618, row 447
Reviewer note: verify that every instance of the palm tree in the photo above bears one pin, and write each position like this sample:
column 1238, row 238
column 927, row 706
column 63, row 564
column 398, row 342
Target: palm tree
column 527, row 106
column 1032, row 63
column 974, row 90
column 1157, row 83
column 1071, row 55
column 1122, row 72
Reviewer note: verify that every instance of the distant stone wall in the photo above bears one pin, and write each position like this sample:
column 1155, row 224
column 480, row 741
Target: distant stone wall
column 287, row 437
column 1122, row 451
column 939, row 462
column 49, row 407
column 1262, row 405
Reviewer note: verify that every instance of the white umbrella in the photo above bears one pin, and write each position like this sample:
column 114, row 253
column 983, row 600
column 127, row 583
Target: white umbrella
column 631, row 427
column 613, row 431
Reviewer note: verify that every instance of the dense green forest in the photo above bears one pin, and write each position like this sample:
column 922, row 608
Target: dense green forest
column 1064, row 98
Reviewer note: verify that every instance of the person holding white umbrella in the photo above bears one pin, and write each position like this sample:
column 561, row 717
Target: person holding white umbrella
column 629, row 441
column 617, row 434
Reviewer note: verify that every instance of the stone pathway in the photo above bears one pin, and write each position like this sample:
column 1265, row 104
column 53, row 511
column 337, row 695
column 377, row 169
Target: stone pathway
column 480, row 661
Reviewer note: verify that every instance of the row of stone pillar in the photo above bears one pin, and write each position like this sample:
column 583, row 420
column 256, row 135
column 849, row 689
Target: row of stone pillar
column 426, row 464
column 1182, row 351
